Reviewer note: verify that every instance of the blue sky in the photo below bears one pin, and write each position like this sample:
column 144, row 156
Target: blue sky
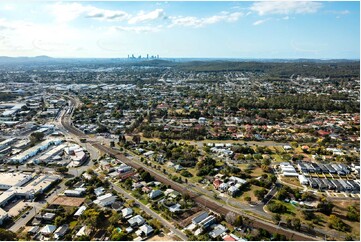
column 291, row 29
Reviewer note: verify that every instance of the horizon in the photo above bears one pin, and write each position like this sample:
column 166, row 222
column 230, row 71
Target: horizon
column 221, row 30
column 143, row 58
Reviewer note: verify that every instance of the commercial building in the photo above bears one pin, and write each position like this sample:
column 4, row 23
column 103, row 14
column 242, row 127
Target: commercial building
column 22, row 157
column 9, row 180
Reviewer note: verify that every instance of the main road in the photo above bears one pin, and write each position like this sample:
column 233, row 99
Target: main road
column 213, row 205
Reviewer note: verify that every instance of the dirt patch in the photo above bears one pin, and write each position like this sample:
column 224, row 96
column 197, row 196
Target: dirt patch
column 160, row 237
column 68, row 201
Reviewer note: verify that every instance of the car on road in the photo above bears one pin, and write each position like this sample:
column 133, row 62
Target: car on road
column 23, row 216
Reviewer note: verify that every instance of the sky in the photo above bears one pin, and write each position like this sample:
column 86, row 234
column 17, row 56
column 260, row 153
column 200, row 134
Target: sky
column 287, row 29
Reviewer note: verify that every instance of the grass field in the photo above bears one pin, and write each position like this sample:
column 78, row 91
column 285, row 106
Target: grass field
column 249, row 193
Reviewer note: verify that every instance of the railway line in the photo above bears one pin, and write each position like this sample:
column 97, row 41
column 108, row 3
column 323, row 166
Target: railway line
column 199, row 198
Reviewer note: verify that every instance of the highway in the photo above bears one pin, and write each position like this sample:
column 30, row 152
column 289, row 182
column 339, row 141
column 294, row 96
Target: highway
column 212, row 204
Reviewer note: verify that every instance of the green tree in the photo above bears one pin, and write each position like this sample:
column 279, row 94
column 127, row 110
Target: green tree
column 276, row 218
column 296, row 223
column 337, row 223
column 239, row 221
column 120, row 236
column 82, row 238
column 325, row 206
column 260, row 193
column 7, row 235
column 62, row 169
column 353, row 214
column 36, row 137
column 115, row 218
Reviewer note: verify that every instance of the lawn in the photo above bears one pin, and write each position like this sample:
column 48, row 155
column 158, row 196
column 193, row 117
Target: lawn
column 292, row 180
column 257, row 172
column 277, row 158
column 249, row 193
column 72, row 224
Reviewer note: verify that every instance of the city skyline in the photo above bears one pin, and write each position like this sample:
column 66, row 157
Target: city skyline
column 319, row 30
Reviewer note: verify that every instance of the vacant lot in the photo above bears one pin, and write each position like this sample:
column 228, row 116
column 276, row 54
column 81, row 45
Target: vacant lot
column 68, row 201
column 161, row 237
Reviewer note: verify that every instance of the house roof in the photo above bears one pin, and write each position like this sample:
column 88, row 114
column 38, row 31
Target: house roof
column 147, row 229
column 127, row 211
column 48, row 229
column 229, row 238
column 136, row 220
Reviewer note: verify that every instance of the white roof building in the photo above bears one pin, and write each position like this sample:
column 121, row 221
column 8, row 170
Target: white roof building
column 126, row 212
column 303, row 180
column 155, row 193
column 137, row 220
column 8, row 180
column 48, row 229
column 105, row 200
column 80, row 211
column 3, row 216
column 99, row 191
column 146, row 229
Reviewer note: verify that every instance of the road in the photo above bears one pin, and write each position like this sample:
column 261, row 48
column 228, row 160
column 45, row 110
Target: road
column 151, row 212
column 212, row 204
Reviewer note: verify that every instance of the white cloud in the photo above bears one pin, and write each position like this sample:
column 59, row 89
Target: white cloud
column 285, row 7
column 102, row 14
column 150, row 16
column 190, row 21
column 260, row 21
column 139, row 29
column 9, row 7
column 342, row 12
column 66, row 12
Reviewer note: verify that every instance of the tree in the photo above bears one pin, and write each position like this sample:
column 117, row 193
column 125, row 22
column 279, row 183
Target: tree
column 82, row 238
column 248, row 199
column 62, row 169
column 238, row 221
column 114, row 219
column 260, row 193
column 136, row 139
column 59, row 220
column 231, row 218
column 325, row 206
column 353, row 214
column 36, row 137
column 289, row 222
column 277, row 207
column 348, row 237
column 306, row 196
column 296, row 224
column 146, row 176
column 120, row 236
column 7, row 235
column 283, row 193
column 338, row 224
column 276, row 218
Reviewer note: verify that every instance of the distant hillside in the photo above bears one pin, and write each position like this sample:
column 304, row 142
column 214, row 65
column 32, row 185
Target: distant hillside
column 344, row 69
